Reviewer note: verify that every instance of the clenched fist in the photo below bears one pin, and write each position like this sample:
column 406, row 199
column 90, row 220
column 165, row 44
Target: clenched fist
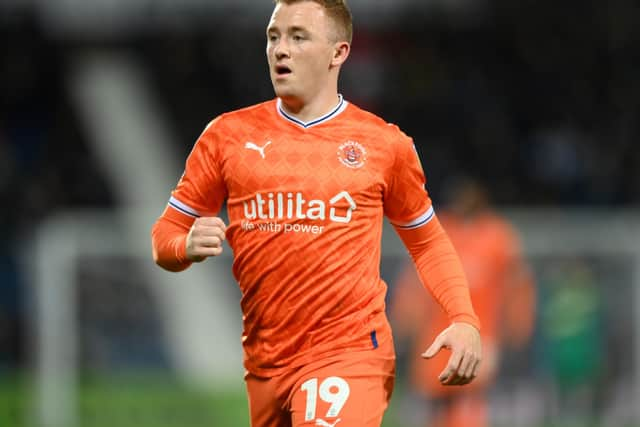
column 205, row 238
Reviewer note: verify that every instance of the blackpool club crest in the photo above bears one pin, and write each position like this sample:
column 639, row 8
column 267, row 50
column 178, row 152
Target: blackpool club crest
column 352, row 154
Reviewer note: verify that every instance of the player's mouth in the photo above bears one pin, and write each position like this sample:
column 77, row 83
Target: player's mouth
column 282, row 70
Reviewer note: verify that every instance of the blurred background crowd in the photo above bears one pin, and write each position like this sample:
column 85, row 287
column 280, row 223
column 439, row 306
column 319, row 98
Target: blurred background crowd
column 537, row 100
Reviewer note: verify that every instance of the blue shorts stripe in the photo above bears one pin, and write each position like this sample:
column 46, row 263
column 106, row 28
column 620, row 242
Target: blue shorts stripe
column 374, row 339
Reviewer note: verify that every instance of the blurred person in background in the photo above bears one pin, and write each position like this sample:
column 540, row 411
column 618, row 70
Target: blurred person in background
column 572, row 329
column 503, row 295
column 307, row 178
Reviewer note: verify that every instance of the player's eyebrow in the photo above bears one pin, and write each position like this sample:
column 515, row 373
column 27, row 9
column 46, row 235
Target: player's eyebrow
column 292, row 29
column 296, row 28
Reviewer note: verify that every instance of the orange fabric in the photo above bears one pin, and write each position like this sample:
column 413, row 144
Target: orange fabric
column 440, row 270
column 168, row 240
column 305, row 206
column 490, row 253
column 351, row 389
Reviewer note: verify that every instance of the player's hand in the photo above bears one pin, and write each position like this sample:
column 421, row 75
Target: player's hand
column 205, row 238
column 463, row 340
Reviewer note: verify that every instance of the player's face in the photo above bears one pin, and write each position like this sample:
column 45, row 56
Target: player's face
column 300, row 50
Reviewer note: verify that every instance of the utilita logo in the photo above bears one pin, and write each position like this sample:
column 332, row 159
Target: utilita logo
column 276, row 206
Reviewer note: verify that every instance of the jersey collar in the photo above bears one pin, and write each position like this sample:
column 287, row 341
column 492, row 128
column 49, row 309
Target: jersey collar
column 342, row 105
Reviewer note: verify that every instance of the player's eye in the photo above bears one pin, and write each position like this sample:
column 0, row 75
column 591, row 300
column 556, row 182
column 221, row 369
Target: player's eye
column 297, row 38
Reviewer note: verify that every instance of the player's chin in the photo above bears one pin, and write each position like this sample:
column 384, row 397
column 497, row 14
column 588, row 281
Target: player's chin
column 282, row 90
column 282, row 86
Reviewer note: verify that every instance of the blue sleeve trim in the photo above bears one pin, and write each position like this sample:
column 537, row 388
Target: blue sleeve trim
column 185, row 209
column 418, row 222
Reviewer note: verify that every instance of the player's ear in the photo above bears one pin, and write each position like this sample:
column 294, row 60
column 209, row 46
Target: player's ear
column 340, row 53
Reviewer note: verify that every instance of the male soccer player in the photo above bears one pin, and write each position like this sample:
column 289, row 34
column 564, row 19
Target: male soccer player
column 307, row 178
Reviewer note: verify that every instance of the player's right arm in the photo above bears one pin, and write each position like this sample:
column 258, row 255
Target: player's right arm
column 178, row 240
column 188, row 230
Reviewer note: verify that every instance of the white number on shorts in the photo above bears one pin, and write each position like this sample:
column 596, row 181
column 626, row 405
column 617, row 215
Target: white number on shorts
column 337, row 399
column 311, row 387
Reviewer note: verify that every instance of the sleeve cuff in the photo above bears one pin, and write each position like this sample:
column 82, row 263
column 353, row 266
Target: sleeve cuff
column 467, row 318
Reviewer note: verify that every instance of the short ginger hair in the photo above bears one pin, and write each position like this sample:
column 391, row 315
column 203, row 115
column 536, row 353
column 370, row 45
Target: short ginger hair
column 338, row 11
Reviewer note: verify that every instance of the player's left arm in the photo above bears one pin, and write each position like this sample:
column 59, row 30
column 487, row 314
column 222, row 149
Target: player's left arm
column 441, row 273
column 408, row 207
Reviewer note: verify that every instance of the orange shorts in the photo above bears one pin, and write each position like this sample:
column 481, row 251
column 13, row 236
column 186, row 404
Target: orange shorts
column 351, row 389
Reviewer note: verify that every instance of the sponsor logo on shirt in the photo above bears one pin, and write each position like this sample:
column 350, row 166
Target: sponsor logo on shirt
column 270, row 208
column 260, row 149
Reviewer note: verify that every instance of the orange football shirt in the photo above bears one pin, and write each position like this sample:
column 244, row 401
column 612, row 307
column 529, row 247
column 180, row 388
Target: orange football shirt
column 305, row 203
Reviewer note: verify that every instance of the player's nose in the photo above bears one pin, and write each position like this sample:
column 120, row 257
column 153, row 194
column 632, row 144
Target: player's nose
column 281, row 49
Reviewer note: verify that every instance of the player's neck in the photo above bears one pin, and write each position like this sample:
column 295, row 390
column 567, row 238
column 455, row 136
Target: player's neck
column 308, row 111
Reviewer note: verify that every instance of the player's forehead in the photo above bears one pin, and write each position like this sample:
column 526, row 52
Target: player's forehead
column 307, row 15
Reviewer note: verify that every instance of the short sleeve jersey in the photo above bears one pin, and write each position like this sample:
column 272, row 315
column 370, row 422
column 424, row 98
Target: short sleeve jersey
column 305, row 203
